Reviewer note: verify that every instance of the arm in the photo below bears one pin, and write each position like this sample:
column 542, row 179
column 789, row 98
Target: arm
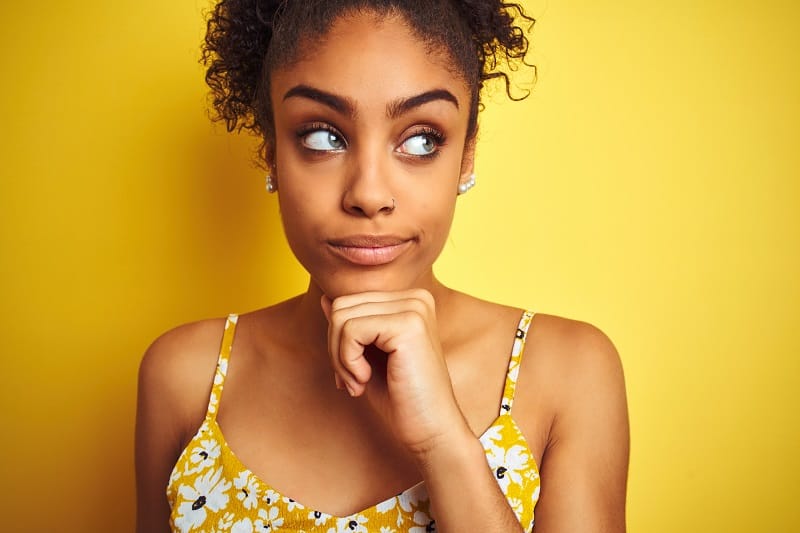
column 585, row 463
column 464, row 494
column 174, row 382
column 415, row 398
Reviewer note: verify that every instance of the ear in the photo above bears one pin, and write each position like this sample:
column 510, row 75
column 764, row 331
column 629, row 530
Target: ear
column 468, row 160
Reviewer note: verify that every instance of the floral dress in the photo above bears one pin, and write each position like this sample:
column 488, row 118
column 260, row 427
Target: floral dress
column 210, row 490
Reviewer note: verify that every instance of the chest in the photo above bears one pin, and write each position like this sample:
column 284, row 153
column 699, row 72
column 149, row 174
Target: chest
column 210, row 485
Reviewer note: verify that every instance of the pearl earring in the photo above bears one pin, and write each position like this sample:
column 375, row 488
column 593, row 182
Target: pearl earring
column 271, row 186
column 467, row 185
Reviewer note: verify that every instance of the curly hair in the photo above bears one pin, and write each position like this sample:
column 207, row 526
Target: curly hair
column 246, row 40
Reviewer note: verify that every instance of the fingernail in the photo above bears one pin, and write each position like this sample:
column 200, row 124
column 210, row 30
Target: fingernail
column 349, row 389
column 338, row 381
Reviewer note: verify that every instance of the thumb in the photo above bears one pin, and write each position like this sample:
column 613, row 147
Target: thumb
column 326, row 305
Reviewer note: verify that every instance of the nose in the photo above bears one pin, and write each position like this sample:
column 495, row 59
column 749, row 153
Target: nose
column 368, row 192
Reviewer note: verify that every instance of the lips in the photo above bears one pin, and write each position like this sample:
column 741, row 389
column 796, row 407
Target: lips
column 370, row 250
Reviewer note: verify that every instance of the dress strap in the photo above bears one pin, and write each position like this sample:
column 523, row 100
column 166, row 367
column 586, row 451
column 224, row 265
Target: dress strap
column 513, row 364
column 222, row 366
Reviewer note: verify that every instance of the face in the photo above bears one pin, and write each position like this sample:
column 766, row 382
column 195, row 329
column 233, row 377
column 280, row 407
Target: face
column 370, row 129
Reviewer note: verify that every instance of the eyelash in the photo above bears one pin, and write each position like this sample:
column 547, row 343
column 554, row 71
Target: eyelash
column 318, row 126
column 438, row 137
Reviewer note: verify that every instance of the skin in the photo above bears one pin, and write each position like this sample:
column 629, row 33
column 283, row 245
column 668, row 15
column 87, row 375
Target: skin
column 379, row 377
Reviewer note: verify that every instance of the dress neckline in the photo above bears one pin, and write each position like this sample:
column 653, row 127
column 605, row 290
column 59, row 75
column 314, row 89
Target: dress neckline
column 417, row 491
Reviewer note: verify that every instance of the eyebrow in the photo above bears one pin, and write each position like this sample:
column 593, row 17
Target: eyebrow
column 404, row 105
column 340, row 104
column 346, row 106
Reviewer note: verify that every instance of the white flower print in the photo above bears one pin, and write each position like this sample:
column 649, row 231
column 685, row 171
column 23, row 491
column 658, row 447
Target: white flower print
column 222, row 371
column 411, row 498
column 513, row 371
column 242, row 526
column 387, row 505
column 509, row 465
column 387, row 529
column 248, row 489
column 225, row 522
column 271, row 497
column 208, row 492
column 423, row 522
column 203, row 456
column 516, row 506
column 319, row 517
column 350, row 524
column 213, row 402
column 269, row 520
column 291, row 505
column 492, row 437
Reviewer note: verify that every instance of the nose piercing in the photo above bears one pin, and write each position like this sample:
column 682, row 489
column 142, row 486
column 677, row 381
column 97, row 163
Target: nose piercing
column 394, row 204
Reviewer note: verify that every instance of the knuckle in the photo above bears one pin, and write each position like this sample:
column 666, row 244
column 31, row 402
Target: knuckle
column 419, row 307
column 347, row 327
column 426, row 297
column 413, row 319
column 338, row 304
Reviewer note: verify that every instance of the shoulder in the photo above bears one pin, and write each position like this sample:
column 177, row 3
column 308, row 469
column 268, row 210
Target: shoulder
column 176, row 373
column 576, row 349
column 575, row 383
column 576, row 375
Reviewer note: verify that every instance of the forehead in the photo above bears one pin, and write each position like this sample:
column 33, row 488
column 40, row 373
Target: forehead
column 370, row 57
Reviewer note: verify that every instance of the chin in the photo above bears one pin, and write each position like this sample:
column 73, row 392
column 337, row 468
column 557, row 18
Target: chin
column 342, row 284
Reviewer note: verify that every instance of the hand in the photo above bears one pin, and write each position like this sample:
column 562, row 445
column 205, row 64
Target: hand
column 385, row 346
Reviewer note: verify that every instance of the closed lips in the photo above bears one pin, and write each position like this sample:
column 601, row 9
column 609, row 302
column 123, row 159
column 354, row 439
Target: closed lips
column 370, row 250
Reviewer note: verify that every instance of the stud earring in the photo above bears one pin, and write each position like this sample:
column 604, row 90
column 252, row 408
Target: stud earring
column 271, row 185
column 467, row 185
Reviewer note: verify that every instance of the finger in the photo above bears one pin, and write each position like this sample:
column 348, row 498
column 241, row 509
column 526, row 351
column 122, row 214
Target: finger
column 347, row 350
column 356, row 335
column 339, row 319
column 325, row 304
column 352, row 300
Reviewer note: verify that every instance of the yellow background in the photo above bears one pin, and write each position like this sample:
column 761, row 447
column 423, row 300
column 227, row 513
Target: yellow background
column 650, row 185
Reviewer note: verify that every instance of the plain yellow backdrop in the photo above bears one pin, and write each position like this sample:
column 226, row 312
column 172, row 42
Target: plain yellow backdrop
column 649, row 185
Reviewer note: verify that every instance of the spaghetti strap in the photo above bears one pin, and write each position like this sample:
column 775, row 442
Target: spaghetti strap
column 222, row 366
column 513, row 365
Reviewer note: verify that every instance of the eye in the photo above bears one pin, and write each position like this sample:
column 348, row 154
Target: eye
column 323, row 140
column 422, row 144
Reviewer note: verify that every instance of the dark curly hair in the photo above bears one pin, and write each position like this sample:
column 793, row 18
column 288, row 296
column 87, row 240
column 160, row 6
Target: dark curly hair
column 247, row 39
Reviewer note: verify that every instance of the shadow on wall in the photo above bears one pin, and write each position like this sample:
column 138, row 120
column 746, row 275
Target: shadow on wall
column 228, row 251
column 210, row 242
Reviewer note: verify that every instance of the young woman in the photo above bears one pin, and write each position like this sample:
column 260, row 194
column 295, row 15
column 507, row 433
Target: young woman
column 379, row 399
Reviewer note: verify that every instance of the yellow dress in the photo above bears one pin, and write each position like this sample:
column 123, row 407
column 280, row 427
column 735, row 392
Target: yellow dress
column 210, row 490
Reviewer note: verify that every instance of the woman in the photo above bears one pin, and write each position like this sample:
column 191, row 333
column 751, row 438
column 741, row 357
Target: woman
column 371, row 401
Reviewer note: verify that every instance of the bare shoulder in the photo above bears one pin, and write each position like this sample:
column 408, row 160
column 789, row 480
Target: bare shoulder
column 574, row 354
column 177, row 370
column 574, row 404
column 572, row 386
column 184, row 344
column 175, row 378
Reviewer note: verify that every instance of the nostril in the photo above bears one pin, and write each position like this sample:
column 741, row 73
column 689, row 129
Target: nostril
column 388, row 208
